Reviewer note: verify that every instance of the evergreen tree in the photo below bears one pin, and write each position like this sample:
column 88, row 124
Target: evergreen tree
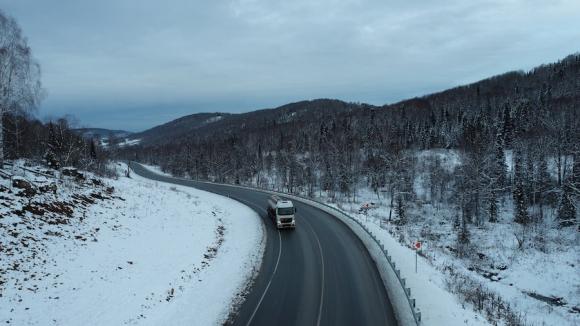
column 93, row 150
column 520, row 209
column 499, row 166
column 575, row 176
column 492, row 207
column 543, row 176
column 463, row 239
column 567, row 210
column 50, row 156
column 508, row 126
column 400, row 210
column 520, row 204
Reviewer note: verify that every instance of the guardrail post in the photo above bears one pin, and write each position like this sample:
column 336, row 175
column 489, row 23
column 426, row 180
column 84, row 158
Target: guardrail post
column 337, row 212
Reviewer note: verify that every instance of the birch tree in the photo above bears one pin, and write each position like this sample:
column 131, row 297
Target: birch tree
column 20, row 86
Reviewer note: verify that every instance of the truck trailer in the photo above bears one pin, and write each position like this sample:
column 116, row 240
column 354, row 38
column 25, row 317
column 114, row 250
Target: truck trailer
column 281, row 211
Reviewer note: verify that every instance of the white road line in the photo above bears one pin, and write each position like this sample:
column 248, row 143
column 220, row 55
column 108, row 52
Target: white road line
column 276, row 267
column 322, row 286
column 269, row 282
column 273, row 273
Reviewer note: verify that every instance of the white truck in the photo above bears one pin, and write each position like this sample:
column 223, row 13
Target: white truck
column 281, row 212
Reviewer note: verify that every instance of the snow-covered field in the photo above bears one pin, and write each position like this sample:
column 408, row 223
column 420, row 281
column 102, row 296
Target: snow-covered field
column 149, row 253
column 517, row 273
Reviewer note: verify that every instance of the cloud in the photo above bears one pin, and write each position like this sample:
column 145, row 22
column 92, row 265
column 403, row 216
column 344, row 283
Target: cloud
column 247, row 54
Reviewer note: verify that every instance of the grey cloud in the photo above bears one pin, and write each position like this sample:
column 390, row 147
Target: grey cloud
column 170, row 58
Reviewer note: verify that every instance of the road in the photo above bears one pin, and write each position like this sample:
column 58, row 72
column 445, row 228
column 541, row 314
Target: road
column 318, row 274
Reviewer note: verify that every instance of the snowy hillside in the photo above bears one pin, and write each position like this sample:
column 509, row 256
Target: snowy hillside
column 535, row 283
column 126, row 251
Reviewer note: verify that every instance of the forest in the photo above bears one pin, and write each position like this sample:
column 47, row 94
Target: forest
column 517, row 135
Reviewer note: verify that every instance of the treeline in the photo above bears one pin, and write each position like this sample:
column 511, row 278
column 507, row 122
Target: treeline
column 532, row 116
column 53, row 143
column 22, row 136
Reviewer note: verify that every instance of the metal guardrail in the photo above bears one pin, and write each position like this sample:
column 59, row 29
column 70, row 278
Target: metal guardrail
column 402, row 281
column 337, row 212
column 412, row 304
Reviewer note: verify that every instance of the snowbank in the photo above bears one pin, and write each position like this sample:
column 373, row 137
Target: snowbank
column 157, row 169
column 161, row 255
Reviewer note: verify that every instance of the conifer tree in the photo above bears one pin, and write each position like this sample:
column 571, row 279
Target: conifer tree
column 566, row 209
column 520, row 203
column 492, row 208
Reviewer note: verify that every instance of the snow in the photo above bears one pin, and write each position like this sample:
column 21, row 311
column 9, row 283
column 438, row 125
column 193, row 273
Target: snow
column 162, row 255
column 553, row 273
column 156, row 169
column 130, row 142
column 287, row 117
column 450, row 159
column 437, row 306
column 548, row 265
column 213, row 119
column 124, row 143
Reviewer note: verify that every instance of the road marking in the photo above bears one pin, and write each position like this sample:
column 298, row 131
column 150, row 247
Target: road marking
column 322, row 261
column 277, row 260
column 269, row 282
column 275, row 267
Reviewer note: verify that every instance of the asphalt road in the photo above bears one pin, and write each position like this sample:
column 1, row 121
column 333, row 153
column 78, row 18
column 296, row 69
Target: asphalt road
column 318, row 274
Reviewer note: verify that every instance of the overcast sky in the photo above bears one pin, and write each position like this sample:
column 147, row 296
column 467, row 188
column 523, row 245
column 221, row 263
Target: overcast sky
column 132, row 64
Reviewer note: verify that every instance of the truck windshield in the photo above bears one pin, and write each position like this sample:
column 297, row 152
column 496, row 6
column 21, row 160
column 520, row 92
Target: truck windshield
column 286, row 211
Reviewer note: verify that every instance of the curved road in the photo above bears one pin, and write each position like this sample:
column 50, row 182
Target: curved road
column 318, row 274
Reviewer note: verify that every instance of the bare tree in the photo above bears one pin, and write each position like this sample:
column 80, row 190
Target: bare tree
column 20, row 88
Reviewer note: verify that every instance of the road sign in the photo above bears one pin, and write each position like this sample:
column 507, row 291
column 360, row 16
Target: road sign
column 417, row 245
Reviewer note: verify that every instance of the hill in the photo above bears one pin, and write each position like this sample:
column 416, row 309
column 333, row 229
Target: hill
column 516, row 106
column 486, row 174
column 175, row 129
column 204, row 125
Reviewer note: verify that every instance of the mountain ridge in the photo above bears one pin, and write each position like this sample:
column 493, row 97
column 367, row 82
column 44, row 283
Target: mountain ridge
column 548, row 82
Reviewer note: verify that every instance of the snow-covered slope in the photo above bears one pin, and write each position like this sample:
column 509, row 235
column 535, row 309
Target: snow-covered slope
column 496, row 280
column 535, row 285
column 147, row 254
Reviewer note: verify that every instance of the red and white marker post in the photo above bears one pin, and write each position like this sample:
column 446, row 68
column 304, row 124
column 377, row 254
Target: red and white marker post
column 416, row 247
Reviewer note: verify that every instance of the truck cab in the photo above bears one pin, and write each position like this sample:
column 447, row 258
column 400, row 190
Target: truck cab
column 281, row 211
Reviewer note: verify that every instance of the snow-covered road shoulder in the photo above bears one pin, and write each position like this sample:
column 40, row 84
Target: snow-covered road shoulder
column 162, row 255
